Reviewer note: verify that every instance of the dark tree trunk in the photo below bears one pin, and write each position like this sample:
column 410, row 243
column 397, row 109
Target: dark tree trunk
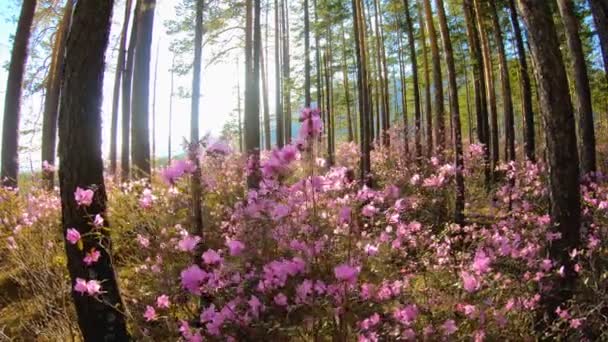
column 414, row 64
column 582, row 91
column 100, row 318
column 252, row 95
column 277, row 79
column 437, row 79
column 384, row 114
column 479, row 84
column 362, row 85
column 526, row 89
column 455, row 109
column 505, row 82
column 120, row 66
column 265, row 104
column 427, row 85
column 349, row 118
column 12, row 101
column 307, row 98
column 127, row 78
column 599, row 9
column 140, row 137
column 562, row 156
column 197, row 213
column 286, row 70
column 51, row 97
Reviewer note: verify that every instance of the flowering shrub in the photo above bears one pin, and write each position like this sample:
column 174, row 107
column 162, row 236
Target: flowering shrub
column 313, row 255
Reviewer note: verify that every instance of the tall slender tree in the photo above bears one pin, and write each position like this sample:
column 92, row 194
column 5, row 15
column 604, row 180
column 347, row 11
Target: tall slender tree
column 582, row 90
column 252, row 98
column 307, row 98
column 437, row 78
column 127, row 81
column 455, row 111
column 277, row 78
column 427, row 83
column 349, row 116
column 12, row 101
column 51, row 96
column 195, row 180
column 415, row 85
column 562, row 155
column 101, row 317
column 362, row 86
column 140, row 137
column 286, row 69
column 526, row 88
column 599, row 9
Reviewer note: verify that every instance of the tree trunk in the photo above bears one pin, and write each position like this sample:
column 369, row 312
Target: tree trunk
column 401, row 62
column 252, row 95
column 267, row 137
column 171, row 111
column 362, row 85
column 100, row 317
column 286, row 70
column 505, row 82
column 437, row 79
column 307, row 98
column 599, row 9
column 526, row 90
column 51, row 97
column 414, row 64
column 558, row 118
column 382, row 76
column 582, row 98
column 127, row 78
column 490, row 90
column 349, row 118
column 479, row 84
column 197, row 213
column 455, row 109
column 140, row 137
column 12, row 101
column 277, row 79
column 427, row 85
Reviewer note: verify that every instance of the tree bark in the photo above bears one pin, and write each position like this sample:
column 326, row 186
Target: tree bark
column 526, row 89
column 277, row 79
column 507, row 101
column 252, row 96
column 51, row 97
column 286, row 70
column 582, row 90
column 414, row 64
column 127, row 81
column 100, row 318
column 9, row 171
column 427, row 85
column 562, row 155
column 265, row 104
column 349, row 118
column 195, row 180
column 140, row 137
column 307, row 98
column 362, row 85
column 437, row 79
column 455, row 109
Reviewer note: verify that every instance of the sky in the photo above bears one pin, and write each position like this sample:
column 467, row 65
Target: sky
column 218, row 92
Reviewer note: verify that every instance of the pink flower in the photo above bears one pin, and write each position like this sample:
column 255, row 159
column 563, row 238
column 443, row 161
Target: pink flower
column 150, row 314
column 147, row 199
column 449, row 327
column 469, row 282
column 162, row 301
column 407, row 315
column 345, row 215
column 73, row 236
column 143, row 241
column 91, row 257
column 211, row 257
column 369, row 210
column 91, row 287
column 98, row 222
column 188, row 243
column 80, row 286
column 576, row 323
column 83, row 197
column 481, row 263
column 346, row 273
column 312, row 126
column 280, row 299
column 236, row 247
column 219, row 147
column 192, row 277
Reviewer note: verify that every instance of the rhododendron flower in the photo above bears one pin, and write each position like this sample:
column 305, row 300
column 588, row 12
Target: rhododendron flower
column 255, row 305
column 481, row 263
column 98, row 222
column 280, row 299
column 150, row 314
column 192, row 277
column 188, row 243
column 143, row 241
column 162, row 302
column 176, row 170
column 576, row 323
column 345, row 215
column 449, row 327
column 12, row 244
column 83, row 197
column 91, row 257
column 91, row 287
column 211, row 257
column 346, row 273
column 369, row 210
column 73, row 236
column 147, row 199
column 406, row 315
column 235, row 247
column 469, row 282
column 219, row 147
column 371, row 250
column 311, row 126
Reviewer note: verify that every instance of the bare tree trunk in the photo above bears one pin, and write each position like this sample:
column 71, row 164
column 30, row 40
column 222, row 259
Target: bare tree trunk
column 140, row 137
column 286, row 70
column 526, row 90
column 252, row 94
column 307, row 98
column 455, row 109
column 416, row 85
column 100, row 317
column 382, row 76
column 427, row 85
column 277, row 79
column 362, row 84
column 349, row 118
column 406, row 138
column 51, row 97
column 505, row 82
column 562, row 155
column 9, row 172
column 582, row 100
column 195, row 180
column 267, row 142
column 127, row 78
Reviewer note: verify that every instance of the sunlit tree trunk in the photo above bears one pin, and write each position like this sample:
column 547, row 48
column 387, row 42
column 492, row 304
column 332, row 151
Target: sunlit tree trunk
column 171, row 111
column 12, row 101
column 277, row 79
column 427, row 84
column 252, row 98
column 101, row 317
column 51, row 97
column 307, row 98
column 349, row 118
column 562, row 155
column 362, row 85
column 286, row 70
column 127, row 78
column 526, row 89
column 153, row 161
column 401, row 62
column 265, row 104
column 195, row 180
column 416, row 85
column 582, row 91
